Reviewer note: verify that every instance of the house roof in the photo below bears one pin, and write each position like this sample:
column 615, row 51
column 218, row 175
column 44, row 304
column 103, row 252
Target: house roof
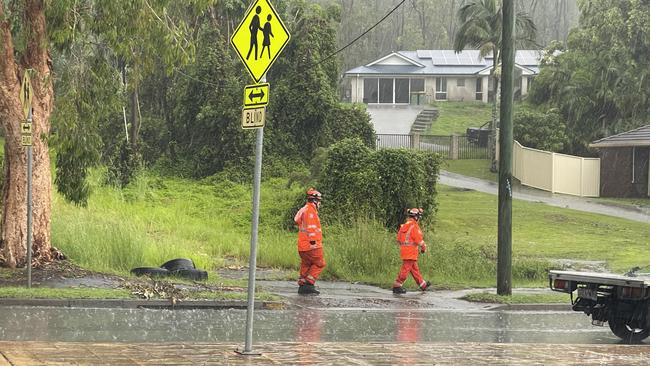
column 636, row 137
column 443, row 62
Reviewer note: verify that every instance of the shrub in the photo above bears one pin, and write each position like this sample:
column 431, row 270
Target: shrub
column 407, row 179
column 350, row 184
column 540, row 130
column 359, row 183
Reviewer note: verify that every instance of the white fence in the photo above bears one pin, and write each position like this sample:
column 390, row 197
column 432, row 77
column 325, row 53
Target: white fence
column 557, row 173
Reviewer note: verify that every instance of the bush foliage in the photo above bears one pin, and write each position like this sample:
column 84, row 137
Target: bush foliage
column 540, row 130
column 359, row 183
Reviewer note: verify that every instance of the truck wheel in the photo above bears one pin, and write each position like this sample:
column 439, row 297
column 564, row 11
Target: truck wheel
column 626, row 333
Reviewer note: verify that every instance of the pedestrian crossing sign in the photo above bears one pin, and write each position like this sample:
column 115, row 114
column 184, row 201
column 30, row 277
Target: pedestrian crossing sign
column 259, row 38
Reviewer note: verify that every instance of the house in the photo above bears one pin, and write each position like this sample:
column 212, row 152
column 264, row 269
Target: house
column 424, row 76
column 624, row 163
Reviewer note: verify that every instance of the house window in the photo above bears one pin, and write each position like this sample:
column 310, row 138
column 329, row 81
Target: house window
column 401, row 90
column 417, row 85
column 479, row 89
column 371, row 90
column 385, row 90
column 441, row 89
column 640, row 164
column 460, row 82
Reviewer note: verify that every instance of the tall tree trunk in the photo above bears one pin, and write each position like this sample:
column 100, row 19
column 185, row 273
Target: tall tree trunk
column 135, row 118
column 13, row 236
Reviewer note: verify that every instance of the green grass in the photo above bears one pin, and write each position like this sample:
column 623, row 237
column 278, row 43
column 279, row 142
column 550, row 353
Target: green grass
column 540, row 232
column 552, row 298
column 477, row 168
column 456, row 117
column 158, row 219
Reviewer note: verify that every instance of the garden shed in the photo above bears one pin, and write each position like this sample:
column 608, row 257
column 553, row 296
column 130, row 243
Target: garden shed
column 624, row 163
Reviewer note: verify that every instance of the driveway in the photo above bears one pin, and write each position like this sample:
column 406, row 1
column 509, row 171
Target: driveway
column 559, row 200
column 393, row 119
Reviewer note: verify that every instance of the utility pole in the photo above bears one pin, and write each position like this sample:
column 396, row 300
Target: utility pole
column 504, row 245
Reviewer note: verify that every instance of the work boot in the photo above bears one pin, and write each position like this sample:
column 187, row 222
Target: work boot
column 313, row 290
column 308, row 289
column 427, row 284
column 399, row 290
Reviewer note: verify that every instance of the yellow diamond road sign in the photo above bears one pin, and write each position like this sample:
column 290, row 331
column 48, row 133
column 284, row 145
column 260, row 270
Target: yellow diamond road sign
column 259, row 38
column 26, row 94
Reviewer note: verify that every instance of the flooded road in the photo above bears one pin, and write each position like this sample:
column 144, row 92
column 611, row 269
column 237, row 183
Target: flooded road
column 306, row 325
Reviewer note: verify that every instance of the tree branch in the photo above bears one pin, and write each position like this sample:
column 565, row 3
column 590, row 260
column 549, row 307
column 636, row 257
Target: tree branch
column 36, row 56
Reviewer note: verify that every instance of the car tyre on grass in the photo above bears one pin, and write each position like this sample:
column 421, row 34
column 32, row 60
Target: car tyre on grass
column 178, row 264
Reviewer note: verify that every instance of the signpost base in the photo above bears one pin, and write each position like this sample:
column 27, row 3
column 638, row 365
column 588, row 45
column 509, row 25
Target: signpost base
column 243, row 352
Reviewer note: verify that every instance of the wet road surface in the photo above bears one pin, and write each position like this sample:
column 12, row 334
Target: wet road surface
column 306, row 353
column 312, row 325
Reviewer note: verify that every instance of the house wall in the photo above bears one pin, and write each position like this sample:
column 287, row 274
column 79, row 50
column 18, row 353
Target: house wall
column 356, row 88
column 430, row 89
column 486, row 85
column 461, row 93
column 454, row 92
column 616, row 172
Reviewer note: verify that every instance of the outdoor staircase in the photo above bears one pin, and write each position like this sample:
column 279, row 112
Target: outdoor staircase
column 424, row 120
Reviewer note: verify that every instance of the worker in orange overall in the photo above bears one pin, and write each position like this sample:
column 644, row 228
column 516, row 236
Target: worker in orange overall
column 310, row 243
column 411, row 244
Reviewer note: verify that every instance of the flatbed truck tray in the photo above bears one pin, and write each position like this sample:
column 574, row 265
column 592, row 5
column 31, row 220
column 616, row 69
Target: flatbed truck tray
column 599, row 278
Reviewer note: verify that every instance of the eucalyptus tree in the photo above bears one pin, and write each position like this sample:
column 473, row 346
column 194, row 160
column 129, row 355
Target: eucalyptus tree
column 30, row 31
column 481, row 24
column 23, row 40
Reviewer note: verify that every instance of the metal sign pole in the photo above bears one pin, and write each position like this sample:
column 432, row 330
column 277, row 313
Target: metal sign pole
column 29, row 208
column 252, row 263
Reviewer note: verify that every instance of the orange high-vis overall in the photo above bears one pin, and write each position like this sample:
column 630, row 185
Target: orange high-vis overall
column 312, row 261
column 410, row 240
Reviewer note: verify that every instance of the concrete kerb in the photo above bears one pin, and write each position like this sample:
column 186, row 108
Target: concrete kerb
column 143, row 304
column 220, row 304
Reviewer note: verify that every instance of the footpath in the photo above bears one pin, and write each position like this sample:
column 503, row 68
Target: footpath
column 328, row 353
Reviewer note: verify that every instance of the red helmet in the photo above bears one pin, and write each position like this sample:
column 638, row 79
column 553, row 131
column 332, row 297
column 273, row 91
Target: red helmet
column 415, row 212
column 314, row 195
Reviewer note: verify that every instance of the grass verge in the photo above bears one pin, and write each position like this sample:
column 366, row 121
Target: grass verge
column 477, row 168
column 553, row 298
column 157, row 219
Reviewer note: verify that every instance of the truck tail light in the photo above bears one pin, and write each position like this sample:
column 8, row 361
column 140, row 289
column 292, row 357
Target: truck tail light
column 632, row 292
column 561, row 284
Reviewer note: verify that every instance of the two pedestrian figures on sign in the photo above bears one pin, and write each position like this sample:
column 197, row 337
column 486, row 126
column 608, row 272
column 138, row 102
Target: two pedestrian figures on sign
column 256, row 27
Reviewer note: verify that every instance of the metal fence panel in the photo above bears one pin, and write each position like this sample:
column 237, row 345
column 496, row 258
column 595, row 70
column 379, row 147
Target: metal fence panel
column 440, row 144
column 436, row 144
column 394, row 141
column 471, row 149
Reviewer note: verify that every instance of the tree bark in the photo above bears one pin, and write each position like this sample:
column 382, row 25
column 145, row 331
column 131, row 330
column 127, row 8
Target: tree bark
column 13, row 247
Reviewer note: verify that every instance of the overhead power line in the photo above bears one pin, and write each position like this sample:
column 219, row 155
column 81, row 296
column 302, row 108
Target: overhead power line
column 364, row 33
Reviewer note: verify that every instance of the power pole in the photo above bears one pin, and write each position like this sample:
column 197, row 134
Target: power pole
column 504, row 245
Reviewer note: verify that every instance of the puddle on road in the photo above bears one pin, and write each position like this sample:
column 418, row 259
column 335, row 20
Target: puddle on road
column 309, row 325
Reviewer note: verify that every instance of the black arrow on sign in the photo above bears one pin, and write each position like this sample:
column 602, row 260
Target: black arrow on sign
column 252, row 95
